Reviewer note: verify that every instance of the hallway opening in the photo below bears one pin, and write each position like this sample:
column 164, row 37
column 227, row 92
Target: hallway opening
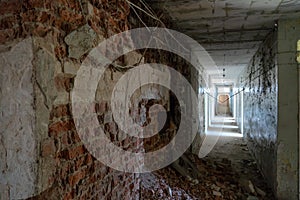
column 150, row 99
column 224, row 102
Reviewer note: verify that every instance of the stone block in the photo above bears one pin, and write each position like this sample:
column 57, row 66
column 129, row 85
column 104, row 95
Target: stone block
column 71, row 67
column 81, row 41
column 133, row 58
column 62, row 97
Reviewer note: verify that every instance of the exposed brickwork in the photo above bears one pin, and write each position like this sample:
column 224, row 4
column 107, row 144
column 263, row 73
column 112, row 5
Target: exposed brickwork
column 181, row 65
column 60, row 17
column 77, row 174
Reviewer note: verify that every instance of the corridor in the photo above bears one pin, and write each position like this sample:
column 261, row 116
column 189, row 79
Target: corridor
column 149, row 99
column 228, row 172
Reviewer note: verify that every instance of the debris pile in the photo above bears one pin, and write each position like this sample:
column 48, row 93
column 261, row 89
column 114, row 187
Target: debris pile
column 215, row 180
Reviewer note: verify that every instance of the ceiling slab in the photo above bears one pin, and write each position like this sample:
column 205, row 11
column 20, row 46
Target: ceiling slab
column 230, row 30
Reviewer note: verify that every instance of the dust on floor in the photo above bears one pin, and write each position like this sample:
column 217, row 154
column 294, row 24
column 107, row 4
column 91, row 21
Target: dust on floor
column 228, row 172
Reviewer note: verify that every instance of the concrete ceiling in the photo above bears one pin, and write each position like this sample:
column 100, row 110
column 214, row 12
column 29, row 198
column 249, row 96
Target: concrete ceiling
column 230, row 30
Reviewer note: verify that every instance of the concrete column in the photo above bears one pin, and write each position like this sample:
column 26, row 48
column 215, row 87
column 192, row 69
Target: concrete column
column 298, row 48
column 288, row 94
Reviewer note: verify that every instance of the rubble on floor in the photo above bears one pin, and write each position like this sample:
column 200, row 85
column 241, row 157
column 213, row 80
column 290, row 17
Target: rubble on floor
column 216, row 180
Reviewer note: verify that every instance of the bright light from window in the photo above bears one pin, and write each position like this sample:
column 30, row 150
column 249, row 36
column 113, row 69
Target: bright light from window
column 223, row 89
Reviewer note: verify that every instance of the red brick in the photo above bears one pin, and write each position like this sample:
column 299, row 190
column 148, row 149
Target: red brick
column 112, row 22
column 10, row 7
column 8, row 22
column 62, row 3
column 63, row 155
column 35, row 3
column 64, row 82
column 71, row 17
column 51, row 179
column 75, row 137
column 76, row 152
column 29, row 16
column 88, row 159
column 6, row 35
column 59, row 17
column 80, row 162
column 72, row 4
column 60, row 51
column 65, row 169
column 60, row 111
column 69, row 195
column 48, row 148
column 43, row 17
column 65, row 139
column 125, row 8
column 76, row 177
column 92, row 179
column 55, row 22
column 61, row 127
column 3, row 37
column 41, row 30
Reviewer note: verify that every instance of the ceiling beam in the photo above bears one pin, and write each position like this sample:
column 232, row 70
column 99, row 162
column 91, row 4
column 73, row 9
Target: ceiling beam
column 201, row 41
column 228, row 31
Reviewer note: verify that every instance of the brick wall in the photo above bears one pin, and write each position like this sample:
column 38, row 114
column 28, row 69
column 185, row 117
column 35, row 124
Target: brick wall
column 65, row 169
column 61, row 33
column 60, row 17
column 197, row 78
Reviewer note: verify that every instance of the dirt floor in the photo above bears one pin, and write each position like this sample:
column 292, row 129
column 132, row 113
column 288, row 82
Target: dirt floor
column 228, row 172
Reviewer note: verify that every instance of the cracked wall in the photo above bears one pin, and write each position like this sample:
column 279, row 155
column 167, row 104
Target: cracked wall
column 45, row 157
column 288, row 112
column 18, row 146
column 260, row 85
column 58, row 35
column 271, row 102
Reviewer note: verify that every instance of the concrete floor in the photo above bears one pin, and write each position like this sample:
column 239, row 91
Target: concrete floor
column 235, row 150
column 227, row 172
column 231, row 146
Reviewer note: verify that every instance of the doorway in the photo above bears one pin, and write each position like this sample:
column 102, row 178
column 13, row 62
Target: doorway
column 223, row 105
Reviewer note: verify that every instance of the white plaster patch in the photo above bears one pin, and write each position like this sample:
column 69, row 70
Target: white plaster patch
column 17, row 141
